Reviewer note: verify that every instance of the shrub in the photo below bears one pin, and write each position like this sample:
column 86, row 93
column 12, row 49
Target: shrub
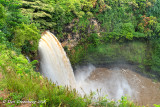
column 26, row 37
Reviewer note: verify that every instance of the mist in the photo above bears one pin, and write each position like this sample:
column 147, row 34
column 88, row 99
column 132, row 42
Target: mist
column 110, row 82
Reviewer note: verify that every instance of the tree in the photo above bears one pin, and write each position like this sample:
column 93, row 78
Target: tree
column 12, row 17
column 40, row 11
column 26, row 37
column 148, row 25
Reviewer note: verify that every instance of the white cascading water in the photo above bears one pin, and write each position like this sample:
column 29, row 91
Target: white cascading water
column 54, row 63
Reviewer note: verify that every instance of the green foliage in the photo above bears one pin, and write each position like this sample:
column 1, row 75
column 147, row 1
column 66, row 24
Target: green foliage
column 12, row 17
column 1, row 98
column 2, row 37
column 148, row 25
column 15, row 97
column 132, row 52
column 156, row 105
column 53, row 14
column 96, row 52
column 2, row 11
column 125, row 103
column 154, row 10
column 122, row 23
column 94, row 39
column 15, row 62
column 122, row 31
column 156, row 55
column 76, row 56
column 40, row 11
column 26, row 37
column 83, row 24
column 112, row 17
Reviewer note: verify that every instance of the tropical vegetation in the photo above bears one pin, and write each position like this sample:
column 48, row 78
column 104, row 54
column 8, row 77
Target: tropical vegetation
column 106, row 31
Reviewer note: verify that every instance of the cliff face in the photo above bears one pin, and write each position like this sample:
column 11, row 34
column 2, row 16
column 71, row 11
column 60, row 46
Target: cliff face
column 72, row 36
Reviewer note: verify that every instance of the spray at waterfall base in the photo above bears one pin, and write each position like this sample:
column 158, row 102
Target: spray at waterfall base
column 109, row 82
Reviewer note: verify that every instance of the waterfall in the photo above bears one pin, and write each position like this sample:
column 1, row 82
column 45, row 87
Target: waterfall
column 54, row 63
column 114, row 82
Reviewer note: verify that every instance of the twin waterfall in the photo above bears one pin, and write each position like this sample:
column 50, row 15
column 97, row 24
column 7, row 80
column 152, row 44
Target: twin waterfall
column 54, row 63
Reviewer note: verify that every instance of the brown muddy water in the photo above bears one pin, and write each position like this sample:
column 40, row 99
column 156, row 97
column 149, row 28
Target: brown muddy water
column 118, row 82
